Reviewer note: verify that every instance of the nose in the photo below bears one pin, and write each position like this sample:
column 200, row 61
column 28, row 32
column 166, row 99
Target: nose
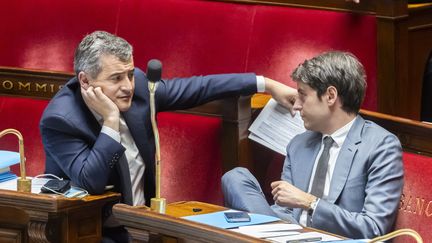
column 297, row 105
column 127, row 84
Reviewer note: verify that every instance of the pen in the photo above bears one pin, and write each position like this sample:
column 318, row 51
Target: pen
column 312, row 239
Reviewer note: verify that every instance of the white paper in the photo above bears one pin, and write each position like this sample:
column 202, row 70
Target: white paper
column 265, row 234
column 37, row 184
column 272, row 227
column 275, row 127
column 305, row 236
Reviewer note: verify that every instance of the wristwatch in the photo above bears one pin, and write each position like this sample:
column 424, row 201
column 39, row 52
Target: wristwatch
column 313, row 204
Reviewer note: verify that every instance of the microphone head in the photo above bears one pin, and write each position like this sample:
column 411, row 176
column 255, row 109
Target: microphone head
column 154, row 70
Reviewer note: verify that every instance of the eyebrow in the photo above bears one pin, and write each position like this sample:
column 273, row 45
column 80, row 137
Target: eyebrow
column 120, row 73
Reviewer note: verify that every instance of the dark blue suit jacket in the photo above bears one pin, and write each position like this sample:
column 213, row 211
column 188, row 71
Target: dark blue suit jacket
column 76, row 149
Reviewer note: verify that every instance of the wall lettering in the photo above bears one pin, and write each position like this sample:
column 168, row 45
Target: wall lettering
column 415, row 205
column 22, row 86
column 7, row 84
column 42, row 88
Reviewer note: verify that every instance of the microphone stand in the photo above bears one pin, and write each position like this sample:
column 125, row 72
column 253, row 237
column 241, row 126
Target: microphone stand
column 157, row 204
column 23, row 183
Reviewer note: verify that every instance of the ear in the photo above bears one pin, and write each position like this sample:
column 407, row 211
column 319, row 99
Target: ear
column 84, row 80
column 332, row 95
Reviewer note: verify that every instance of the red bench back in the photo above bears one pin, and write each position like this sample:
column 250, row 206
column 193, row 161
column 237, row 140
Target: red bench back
column 190, row 38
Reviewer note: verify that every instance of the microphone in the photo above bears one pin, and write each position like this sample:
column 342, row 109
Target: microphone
column 154, row 73
column 154, row 70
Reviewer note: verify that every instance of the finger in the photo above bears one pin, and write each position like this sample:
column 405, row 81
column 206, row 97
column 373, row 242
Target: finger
column 275, row 184
column 90, row 93
column 274, row 191
column 98, row 92
column 276, row 197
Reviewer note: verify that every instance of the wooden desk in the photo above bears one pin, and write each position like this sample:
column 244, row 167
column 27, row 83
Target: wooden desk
column 147, row 226
column 27, row 217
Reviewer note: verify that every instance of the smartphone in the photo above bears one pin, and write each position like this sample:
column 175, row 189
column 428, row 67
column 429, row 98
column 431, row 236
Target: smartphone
column 237, row 217
column 54, row 185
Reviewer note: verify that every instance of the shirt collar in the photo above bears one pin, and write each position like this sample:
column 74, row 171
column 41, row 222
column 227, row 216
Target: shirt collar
column 340, row 134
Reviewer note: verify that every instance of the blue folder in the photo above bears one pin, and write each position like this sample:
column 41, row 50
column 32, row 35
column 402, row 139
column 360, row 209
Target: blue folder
column 7, row 176
column 218, row 219
column 8, row 158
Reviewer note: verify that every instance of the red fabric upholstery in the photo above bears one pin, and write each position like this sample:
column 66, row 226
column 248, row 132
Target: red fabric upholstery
column 190, row 37
column 191, row 163
column 415, row 209
column 282, row 38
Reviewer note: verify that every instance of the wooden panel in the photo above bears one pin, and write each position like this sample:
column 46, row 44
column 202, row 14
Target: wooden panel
column 31, row 83
column 11, row 236
column 13, row 225
column 51, row 218
column 414, row 136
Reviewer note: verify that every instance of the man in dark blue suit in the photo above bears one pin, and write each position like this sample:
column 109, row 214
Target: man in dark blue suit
column 97, row 131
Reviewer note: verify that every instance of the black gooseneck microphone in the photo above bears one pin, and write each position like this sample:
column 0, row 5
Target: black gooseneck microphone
column 154, row 70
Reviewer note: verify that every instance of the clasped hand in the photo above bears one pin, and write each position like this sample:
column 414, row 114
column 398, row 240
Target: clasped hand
column 287, row 195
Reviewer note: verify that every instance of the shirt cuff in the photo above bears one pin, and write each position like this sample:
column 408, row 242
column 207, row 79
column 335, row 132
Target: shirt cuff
column 314, row 205
column 111, row 133
column 260, row 84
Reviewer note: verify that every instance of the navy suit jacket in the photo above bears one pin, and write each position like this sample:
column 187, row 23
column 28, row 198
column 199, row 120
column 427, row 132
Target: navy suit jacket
column 76, row 149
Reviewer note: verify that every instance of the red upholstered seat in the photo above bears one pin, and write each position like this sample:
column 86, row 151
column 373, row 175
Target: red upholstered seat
column 190, row 163
column 415, row 209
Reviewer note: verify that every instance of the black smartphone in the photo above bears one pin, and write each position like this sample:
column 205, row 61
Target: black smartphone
column 55, row 185
column 237, row 217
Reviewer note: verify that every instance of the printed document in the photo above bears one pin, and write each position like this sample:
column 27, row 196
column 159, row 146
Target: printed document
column 269, row 230
column 275, row 127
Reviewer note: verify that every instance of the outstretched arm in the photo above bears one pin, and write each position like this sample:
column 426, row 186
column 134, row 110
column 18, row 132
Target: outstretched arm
column 282, row 93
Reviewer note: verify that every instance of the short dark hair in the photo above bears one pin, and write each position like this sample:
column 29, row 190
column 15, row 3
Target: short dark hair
column 335, row 68
column 96, row 44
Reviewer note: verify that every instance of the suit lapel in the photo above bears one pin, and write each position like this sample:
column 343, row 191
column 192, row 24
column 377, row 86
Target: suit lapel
column 304, row 162
column 302, row 165
column 345, row 159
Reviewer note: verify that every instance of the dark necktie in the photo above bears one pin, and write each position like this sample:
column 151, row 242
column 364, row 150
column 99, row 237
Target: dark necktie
column 321, row 171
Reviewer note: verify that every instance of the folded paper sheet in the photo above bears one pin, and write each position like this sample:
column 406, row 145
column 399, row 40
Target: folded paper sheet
column 275, row 127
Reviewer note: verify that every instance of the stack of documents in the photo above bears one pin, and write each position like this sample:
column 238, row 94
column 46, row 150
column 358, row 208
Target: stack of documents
column 275, row 127
column 269, row 230
column 305, row 237
column 7, row 159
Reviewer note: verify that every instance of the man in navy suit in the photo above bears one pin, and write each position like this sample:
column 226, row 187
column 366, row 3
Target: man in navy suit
column 96, row 131
column 345, row 174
